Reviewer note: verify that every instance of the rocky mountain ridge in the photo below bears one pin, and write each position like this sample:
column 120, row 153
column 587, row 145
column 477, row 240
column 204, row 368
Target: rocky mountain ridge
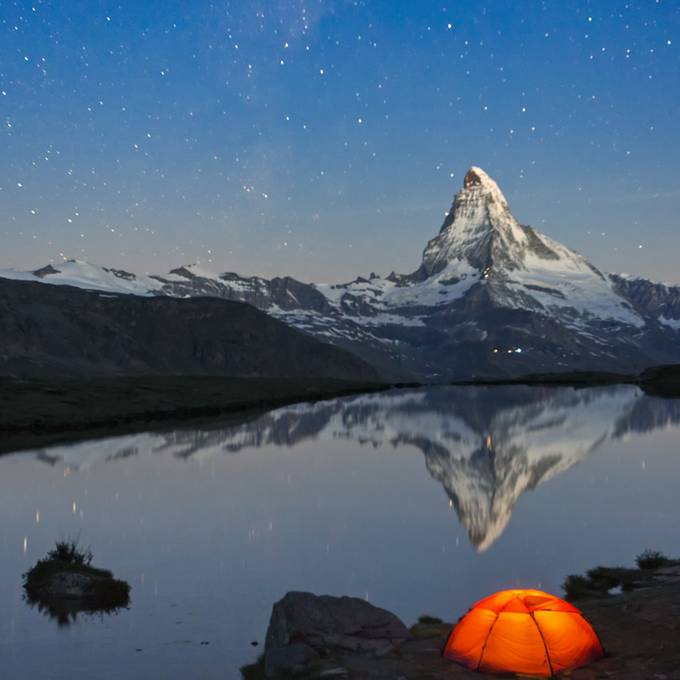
column 491, row 297
column 48, row 331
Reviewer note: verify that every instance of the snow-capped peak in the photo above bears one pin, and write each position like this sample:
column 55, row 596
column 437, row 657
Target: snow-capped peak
column 193, row 270
column 523, row 268
column 82, row 274
column 478, row 181
column 478, row 228
column 486, row 280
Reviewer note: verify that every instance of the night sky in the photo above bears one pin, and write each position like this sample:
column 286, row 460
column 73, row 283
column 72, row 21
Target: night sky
column 325, row 139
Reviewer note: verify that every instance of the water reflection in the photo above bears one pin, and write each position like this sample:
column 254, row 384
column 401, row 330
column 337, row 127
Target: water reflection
column 67, row 612
column 485, row 446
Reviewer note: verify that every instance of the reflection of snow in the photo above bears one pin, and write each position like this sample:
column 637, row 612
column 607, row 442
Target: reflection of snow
column 671, row 323
column 485, row 445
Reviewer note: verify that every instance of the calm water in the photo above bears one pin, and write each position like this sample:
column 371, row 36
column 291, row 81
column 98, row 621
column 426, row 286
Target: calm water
column 421, row 501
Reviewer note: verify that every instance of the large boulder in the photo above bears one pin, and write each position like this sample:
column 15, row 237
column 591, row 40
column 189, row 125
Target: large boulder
column 304, row 626
column 291, row 659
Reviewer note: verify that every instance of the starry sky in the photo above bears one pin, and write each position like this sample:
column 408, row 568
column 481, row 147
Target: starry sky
column 326, row 138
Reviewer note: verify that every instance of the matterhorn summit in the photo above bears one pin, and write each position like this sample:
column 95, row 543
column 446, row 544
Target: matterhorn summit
column 478, row 228
column 492, row 297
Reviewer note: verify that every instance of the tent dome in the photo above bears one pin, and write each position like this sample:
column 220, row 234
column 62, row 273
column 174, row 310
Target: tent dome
column 523, row 631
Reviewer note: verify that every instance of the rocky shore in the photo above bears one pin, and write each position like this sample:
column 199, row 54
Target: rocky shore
column 311, row 637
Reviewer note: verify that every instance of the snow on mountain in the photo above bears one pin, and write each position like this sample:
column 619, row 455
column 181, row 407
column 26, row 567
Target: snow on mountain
column 492, row 296
column 660, row 301
column 526, row 269
column 478, row 228
column 91, row 277
column 481, row 243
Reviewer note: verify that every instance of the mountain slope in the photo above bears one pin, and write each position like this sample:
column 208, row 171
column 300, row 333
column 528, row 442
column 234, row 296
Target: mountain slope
column 491, row 297
column 62, row 331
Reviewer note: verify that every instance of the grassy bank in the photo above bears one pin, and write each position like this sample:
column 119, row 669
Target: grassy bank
column 42, row 412
column 663, row 381
column 36, row 413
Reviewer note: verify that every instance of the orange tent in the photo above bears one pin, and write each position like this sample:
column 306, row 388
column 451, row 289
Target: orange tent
column 523, row 631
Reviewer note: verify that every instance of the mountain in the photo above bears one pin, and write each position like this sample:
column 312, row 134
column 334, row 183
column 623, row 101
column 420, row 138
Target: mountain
column 485, row 446
column 492, row 297
column 64, row 331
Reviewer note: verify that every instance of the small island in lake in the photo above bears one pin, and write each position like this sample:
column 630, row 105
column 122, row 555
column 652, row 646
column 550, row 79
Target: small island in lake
column 65, row 584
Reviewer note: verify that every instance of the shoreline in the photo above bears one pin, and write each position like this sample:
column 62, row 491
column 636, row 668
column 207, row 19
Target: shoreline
column 39, row 413
column 36, row 413
column 637, row 628
column 657, row 381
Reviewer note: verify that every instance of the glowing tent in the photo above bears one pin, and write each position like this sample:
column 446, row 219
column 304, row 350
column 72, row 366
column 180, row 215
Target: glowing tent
column 523, row 631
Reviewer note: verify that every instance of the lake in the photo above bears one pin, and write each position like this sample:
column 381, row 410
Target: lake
column 421, row 501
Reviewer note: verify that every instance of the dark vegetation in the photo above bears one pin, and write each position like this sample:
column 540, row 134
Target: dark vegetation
column 255, row 670
column 429, row 620
column 69, row 553
column 652, row 559
column 598, row 581
column 43, row 412
column 427, row 627
column 576, row 378
column 662, row 381
column 65, row 584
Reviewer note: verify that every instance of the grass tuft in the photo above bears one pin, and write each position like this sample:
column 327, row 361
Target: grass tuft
column 651, row 559
column 429, row 620
column 69, row 552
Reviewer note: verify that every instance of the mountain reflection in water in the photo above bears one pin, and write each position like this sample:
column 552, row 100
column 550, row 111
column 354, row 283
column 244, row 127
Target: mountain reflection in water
column 485, row 445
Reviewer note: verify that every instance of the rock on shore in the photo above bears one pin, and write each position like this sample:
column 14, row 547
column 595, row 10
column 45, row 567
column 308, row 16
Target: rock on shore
column 312, row 637
column 305, row 628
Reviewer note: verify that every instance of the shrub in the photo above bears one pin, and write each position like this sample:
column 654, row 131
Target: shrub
column 429, row 620
column 69, row 552
column 651, row 559
column 576, row 586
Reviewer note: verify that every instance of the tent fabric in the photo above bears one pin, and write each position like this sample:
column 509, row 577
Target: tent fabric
column 523, row 631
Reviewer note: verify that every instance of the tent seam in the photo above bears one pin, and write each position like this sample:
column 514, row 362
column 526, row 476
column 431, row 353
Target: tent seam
column 486, row 642
column 547, row 653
